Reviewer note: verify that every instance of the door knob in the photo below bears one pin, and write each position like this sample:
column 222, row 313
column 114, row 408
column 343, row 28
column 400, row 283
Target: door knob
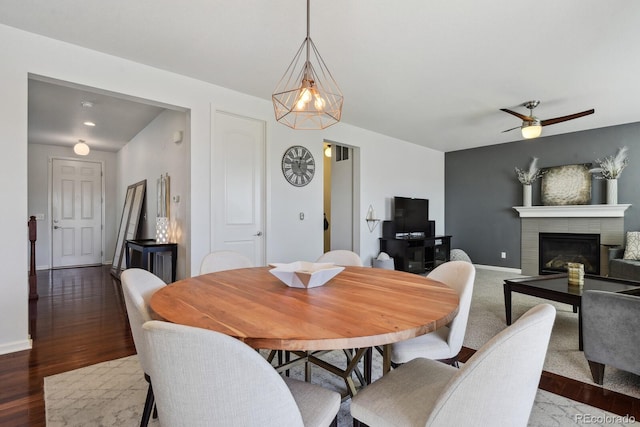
column 55, row 227
column 259, row 233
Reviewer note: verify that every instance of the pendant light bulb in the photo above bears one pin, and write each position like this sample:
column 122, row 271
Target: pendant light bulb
column 319, row 103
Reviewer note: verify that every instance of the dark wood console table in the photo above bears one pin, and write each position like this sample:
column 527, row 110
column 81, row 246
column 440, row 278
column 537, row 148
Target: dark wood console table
column 417, row 254
column 148, row 248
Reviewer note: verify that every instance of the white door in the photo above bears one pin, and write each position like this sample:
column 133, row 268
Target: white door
column 76, row 213
column 237, row 202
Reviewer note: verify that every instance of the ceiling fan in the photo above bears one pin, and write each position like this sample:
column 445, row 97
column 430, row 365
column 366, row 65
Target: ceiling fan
column 532, row 126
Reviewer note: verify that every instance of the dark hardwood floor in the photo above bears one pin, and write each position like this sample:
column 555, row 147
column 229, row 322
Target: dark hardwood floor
column 80, row 320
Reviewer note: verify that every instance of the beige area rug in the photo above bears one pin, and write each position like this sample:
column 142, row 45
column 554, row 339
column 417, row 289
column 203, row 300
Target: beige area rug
column 487, row 318
column 112, row 393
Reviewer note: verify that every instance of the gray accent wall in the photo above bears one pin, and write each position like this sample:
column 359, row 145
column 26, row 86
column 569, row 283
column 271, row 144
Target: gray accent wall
column 481, row 187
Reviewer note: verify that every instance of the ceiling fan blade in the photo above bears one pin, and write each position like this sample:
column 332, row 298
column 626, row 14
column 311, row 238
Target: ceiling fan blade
column 565, row 118
column 517, row 127
column 518, row 115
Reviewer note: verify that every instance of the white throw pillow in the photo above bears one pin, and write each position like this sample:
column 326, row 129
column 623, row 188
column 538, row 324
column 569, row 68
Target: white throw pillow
column 632, row 248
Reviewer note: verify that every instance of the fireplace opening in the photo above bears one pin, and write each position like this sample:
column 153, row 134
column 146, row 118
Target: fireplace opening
column 557, row 249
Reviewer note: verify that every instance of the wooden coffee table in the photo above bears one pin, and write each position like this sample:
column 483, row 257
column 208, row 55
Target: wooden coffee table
column 555, row 287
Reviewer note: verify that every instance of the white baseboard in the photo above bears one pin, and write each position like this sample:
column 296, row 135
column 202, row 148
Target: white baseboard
column 496, row 268
column 48, row 267
column 12, row 347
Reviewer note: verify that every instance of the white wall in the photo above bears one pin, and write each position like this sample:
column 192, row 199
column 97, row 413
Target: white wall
column 39, row 183
column 148, row 155
column 388, row 166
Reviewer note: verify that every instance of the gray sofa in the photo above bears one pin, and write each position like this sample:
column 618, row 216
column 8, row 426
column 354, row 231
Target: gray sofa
column 611, row 331
column 620, row 268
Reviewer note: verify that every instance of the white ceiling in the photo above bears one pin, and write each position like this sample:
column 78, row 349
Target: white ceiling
column 57, row 116
column 433, row 73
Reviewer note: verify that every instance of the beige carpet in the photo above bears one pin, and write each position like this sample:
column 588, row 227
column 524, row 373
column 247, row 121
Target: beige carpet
column 487, row 318
column 112, row 393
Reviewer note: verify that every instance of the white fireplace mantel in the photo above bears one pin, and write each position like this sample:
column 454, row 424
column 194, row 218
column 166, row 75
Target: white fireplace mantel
column 572, row 211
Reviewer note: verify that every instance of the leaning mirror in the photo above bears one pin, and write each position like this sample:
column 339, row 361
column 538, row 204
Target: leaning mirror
column 129, row 223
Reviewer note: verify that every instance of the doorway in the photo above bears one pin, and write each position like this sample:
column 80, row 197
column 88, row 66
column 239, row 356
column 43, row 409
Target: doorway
column 340, row 195
column 59, row 114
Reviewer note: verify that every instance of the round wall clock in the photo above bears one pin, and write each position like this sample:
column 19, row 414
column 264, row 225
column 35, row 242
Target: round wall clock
column 298, row 166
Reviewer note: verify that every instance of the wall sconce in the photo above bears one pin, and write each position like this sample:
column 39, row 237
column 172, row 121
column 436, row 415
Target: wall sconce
column 372, row 221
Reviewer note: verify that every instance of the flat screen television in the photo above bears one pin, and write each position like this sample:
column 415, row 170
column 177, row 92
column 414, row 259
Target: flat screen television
column 410, row 215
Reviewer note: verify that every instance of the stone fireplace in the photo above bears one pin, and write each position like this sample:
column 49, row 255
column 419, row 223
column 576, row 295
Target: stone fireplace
column 604, row 221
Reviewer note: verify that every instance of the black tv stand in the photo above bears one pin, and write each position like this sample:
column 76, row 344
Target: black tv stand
column 415, row 252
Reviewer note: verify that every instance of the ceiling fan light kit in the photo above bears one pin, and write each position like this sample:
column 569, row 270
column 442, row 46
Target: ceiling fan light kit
column 532, row 126
column 301, row 99
column 531, row 129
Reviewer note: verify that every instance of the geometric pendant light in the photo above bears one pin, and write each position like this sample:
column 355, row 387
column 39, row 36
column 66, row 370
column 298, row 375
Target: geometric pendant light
column 307, row 96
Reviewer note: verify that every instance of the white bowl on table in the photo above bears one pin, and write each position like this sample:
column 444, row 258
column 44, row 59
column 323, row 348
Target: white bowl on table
column 304, row 274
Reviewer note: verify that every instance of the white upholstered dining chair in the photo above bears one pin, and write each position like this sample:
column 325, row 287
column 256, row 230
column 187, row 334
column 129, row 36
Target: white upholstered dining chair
column 495, row 387
column 224, row 260
column 445, row 343
column 341, row 257
column 202, row 378
column 138, row 286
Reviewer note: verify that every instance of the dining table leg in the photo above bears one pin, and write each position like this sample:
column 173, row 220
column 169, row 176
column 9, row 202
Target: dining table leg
column 386, row 359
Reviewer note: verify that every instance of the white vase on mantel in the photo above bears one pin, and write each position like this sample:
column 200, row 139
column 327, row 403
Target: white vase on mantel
column 612, row 191
column 526, row 195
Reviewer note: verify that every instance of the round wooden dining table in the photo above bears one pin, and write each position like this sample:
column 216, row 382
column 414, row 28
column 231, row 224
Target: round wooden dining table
column 359, row 308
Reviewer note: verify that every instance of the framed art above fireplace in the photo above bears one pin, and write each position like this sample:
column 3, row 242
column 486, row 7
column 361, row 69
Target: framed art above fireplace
column 566, row 185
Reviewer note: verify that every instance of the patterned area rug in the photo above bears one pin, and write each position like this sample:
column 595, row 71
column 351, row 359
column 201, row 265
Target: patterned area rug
column 112, row 393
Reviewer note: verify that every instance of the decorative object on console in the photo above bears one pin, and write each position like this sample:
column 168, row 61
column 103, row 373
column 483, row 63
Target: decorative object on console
column 162, row 229
column 566, row 185
column 162, row 218
column 526, row 178
column 303, row 101
column 610, row 169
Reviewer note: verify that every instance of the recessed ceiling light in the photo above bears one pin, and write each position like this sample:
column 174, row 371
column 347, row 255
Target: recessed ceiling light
column 87, row 123
column 87, row 104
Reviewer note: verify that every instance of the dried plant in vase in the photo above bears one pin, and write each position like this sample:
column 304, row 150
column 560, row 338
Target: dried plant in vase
column 527, row 177
column 612, row 166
